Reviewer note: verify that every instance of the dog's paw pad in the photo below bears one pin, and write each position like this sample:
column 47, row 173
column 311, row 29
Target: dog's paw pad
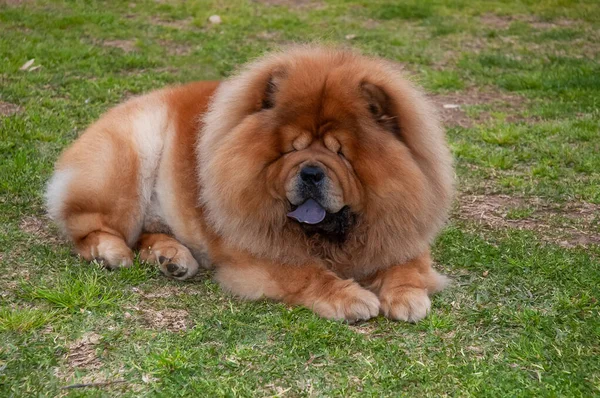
column 175, row 270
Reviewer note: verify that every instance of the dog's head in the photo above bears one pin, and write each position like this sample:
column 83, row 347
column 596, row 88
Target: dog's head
column 316, row 146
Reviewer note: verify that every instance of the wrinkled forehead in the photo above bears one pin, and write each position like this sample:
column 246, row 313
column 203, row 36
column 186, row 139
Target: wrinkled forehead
column 313, row 94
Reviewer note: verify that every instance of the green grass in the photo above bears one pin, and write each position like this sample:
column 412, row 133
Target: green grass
column 23, row 319
column 522, row 317
column 76, row 291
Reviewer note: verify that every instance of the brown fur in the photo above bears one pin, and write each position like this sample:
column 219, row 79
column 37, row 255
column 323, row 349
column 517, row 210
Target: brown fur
column 208, row 169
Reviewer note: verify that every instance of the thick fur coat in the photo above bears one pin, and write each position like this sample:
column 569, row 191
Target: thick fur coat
column 208, row 173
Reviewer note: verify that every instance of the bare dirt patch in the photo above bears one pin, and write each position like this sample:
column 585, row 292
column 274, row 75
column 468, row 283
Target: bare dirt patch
column 371, row 23
column 82, row 357
column 82, row 353
column 175, row 24
column 8, row 109
column 272, row 36
column 173, row 320
column 125, row 45
column 293, row 3
column 561, row 22
column 39, row 227
column 167, row 291
column 570, row 225
column 32, row 225
column 11, row 280
column 504, row 21
column 366, row 329
column 176, row 48
column 451, row 107
column 496, row 21
column 14, row 2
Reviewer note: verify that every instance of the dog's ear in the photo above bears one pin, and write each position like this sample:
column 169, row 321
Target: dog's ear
column 271, row 89
column 381, row 107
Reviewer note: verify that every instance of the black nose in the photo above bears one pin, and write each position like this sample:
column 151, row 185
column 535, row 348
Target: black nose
column 312, row 174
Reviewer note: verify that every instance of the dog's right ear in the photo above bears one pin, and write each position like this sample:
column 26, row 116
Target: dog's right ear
column 271, row 89
column 381, row 107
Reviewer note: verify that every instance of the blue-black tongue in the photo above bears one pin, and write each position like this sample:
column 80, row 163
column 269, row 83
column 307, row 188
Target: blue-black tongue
column 309, row 212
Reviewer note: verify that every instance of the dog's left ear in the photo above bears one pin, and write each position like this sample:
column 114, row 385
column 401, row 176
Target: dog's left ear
column 381, row 107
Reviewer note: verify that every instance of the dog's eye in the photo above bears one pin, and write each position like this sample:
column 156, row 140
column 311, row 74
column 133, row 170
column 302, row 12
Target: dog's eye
column 341, row 154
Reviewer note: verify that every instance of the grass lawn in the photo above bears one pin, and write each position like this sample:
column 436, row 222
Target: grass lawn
column 518, row 86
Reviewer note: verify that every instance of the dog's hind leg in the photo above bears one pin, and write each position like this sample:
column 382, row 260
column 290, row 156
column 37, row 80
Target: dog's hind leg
column 94, row 199
column 103, row 183
column 99, row 229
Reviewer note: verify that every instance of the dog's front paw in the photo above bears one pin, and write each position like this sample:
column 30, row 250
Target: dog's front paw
column 408, row 304
column 347, row 301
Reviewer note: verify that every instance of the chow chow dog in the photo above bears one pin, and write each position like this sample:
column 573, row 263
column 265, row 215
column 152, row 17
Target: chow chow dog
column 315, row 176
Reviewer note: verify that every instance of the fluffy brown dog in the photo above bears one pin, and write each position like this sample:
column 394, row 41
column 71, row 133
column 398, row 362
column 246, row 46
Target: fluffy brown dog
column 316, row 176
